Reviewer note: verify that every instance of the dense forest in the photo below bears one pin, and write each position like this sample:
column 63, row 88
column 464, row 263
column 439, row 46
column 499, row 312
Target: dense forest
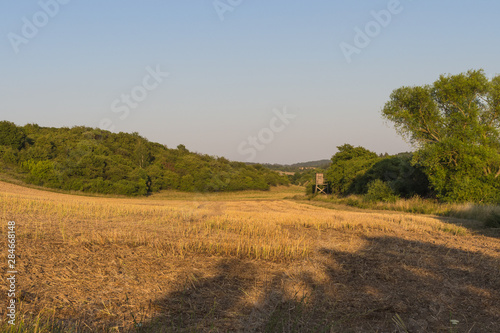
column 98, row 161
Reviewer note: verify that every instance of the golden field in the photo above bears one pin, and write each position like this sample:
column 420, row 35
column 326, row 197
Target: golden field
column 243, row 262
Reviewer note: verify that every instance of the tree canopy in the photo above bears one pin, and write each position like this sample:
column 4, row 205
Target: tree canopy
column 98, row 161
column 347, row 164
column 353, row 169
column 454, row 124
column 11, row 135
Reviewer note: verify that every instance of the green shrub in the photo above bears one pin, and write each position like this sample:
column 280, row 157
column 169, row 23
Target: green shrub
column 380, row 191
column 310, row 189
column 9, row 155
column 130, row 188
column 355, row 203
column 42, row 173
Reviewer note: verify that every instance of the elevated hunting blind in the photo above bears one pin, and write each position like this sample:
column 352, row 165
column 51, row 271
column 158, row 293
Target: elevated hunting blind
column 320, row 186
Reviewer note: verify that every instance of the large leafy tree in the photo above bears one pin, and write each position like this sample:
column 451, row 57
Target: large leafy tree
column 347, row 164
column 454, row 123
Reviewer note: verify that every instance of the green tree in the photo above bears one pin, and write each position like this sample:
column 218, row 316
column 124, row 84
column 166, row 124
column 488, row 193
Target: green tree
column 348, row 164
column 397, row 171
column 142, row 153
column 9, row 155
column 171, row 180
column 11, row 135
column 42, row 173
column 187, row 183
column 454, row 123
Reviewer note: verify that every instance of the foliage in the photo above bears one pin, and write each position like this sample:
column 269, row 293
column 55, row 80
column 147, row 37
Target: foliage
column 298, row 167
column 379, row 190
column 398, row 172
column 454, row 123
column 93, row 160
column 479, row 215
column 348, row 164
column 41, row 173
column 353, row 169
column 305, row 177
column 11, row 135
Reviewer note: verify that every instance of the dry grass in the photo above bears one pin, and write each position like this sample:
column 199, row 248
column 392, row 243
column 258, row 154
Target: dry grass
column 478, row 215
column 243, row 262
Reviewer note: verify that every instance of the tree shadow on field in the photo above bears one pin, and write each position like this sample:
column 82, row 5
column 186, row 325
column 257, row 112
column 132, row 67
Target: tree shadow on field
column 426, row 285
column 389, row 285
column 205, row 304
column 395, row 285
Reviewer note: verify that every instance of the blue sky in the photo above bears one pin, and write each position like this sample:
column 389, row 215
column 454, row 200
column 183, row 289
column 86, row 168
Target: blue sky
column 228, row 79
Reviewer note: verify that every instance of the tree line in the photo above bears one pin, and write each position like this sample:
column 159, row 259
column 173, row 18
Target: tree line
column 453, row 125
column 98, row 161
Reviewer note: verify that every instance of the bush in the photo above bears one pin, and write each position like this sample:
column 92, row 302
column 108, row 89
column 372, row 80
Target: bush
column 98, row 185
column 470, row 189
column 355, row 203
column 130, row 188
column 42, row 173
column 9, row 155
column 310, row 189
column 380, row 191
column 404, row 178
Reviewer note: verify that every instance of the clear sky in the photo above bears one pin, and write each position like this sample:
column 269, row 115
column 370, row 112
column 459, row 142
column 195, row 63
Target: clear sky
column 267, row 81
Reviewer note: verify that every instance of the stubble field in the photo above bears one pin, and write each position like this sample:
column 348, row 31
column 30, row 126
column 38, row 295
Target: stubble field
column 244, row 262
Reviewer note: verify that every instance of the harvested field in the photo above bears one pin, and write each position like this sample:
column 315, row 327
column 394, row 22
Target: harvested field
column 249, row 262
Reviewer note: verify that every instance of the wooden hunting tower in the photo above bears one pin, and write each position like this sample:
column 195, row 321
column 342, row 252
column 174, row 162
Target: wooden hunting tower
column 320, row 186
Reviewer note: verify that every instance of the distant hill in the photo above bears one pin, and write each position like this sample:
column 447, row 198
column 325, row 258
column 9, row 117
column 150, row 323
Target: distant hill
column 302, row 173
column 320, row 164
column 93, row 160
